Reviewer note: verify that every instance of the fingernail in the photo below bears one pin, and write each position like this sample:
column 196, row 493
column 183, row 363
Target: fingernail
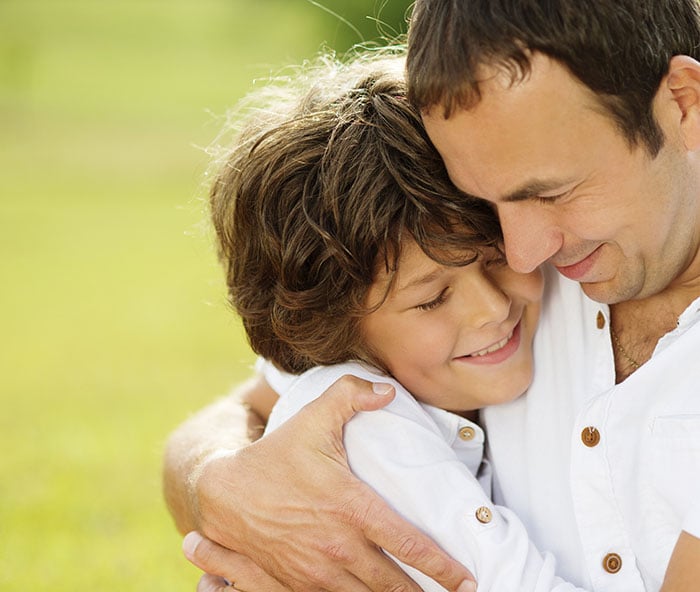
column 467, row 586
column 190, row 543
column 381, row 388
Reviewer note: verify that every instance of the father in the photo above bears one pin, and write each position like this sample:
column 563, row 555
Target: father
column 580, row 121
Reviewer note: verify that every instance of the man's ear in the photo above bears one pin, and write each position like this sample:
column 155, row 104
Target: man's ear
column 683, row 82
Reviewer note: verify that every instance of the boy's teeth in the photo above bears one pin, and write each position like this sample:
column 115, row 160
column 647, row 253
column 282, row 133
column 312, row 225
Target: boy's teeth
column 494, row 347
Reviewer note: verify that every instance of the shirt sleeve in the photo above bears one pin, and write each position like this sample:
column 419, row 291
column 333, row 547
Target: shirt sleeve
column 403, row 455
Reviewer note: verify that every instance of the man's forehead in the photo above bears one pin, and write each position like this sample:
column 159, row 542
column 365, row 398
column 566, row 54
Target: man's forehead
column 515, row 141
column 496, row 76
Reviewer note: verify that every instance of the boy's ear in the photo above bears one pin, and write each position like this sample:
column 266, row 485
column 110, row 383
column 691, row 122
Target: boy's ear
column 683, row 82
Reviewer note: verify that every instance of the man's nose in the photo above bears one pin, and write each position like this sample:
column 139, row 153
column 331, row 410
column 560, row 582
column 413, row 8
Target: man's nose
column 530, row 235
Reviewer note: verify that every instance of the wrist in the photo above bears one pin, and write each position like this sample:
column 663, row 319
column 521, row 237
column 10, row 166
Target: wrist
column 204, row 479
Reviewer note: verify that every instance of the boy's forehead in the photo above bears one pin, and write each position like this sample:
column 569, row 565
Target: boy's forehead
column 418, row 273
column 412, row 268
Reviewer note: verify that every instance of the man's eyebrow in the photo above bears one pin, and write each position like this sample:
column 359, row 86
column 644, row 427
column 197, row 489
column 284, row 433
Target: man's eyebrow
column 534, row 188
column 421, row 280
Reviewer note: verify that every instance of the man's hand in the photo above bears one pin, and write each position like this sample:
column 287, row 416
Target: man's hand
column 290, row 502
column 232, row 569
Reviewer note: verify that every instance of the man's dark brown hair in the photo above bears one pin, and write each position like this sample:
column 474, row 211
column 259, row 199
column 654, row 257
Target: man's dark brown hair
column 620, row 49
column 318, row 193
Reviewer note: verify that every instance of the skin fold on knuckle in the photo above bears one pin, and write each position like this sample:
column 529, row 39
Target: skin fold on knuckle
column 404, row 585
column 442, row 570
column 412, row 549
column 298, row 572
column 316, row 579
column 360, row 506
column 347, row 388
column 339, row 552
column 349, row 383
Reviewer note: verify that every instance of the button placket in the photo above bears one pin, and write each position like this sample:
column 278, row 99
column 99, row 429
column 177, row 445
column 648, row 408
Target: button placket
column 600, row 320
column 590, row 436
column 612, row 563
column 601, row 528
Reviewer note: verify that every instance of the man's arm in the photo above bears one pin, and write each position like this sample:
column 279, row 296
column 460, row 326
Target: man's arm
column 683, row 573
column 228, row 424
column 290, row 502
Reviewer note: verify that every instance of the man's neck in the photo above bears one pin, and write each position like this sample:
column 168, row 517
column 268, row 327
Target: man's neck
column 637, row 325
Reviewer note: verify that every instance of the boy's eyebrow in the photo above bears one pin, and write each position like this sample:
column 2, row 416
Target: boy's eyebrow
column 534, row 187
column 421, row 280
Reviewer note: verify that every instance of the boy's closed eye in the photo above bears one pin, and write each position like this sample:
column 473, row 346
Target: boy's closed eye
column 435, row 302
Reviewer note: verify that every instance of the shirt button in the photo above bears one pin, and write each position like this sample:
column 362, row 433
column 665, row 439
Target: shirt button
column 467, row 433
column 483, row 515
column 612, row 563
column 590, row 436
column 600, row 320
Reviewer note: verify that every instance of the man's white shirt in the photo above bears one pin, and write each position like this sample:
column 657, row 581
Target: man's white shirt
column 605, row 476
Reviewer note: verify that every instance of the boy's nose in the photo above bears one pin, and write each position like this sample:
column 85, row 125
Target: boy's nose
column 486, row 302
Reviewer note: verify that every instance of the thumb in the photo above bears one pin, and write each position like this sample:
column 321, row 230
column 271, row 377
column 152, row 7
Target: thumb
column 345, row 397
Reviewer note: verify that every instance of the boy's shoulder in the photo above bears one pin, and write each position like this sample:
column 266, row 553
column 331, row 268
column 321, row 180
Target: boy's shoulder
column 297, row 391
column 285, row 383
column 326, row 375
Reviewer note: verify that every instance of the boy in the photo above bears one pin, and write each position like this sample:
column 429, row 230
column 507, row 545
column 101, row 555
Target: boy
column 346, row 246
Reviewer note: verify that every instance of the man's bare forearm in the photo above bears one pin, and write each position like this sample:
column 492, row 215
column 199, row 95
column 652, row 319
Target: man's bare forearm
column 683, row 573
column 227, row 424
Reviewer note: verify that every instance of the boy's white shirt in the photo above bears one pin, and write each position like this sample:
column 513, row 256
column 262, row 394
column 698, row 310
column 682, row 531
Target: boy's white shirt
column 412, row 454
column 630, row 495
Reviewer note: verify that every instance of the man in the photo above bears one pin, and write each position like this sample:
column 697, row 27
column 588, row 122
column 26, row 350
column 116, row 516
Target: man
column 580, row 121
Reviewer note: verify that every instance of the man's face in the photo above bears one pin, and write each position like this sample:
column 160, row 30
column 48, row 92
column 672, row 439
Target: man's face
column 568, row 187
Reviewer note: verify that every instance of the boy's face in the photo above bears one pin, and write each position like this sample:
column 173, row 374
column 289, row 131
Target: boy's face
column 568, row 187
column 458, row 338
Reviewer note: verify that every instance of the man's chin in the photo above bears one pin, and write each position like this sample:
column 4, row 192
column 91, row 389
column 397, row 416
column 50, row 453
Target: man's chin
column 608, row 292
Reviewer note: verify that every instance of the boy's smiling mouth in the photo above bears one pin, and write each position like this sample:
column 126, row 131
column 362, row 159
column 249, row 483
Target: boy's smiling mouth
column 492, row 348
column 496, row 352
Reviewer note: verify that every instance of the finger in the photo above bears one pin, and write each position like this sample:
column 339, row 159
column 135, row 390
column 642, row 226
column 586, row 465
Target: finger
column 379, row 573
column 216, row 560
column 345, row 397
column 325, row 417
column 204, row 554
column 409, row 545
column 211, row 583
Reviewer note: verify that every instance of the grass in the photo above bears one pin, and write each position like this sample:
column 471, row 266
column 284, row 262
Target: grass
column 112, row 304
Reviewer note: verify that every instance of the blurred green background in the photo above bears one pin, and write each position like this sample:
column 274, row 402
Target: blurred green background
column 112, row 305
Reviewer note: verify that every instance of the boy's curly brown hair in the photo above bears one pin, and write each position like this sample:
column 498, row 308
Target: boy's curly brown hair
column 318, row 193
